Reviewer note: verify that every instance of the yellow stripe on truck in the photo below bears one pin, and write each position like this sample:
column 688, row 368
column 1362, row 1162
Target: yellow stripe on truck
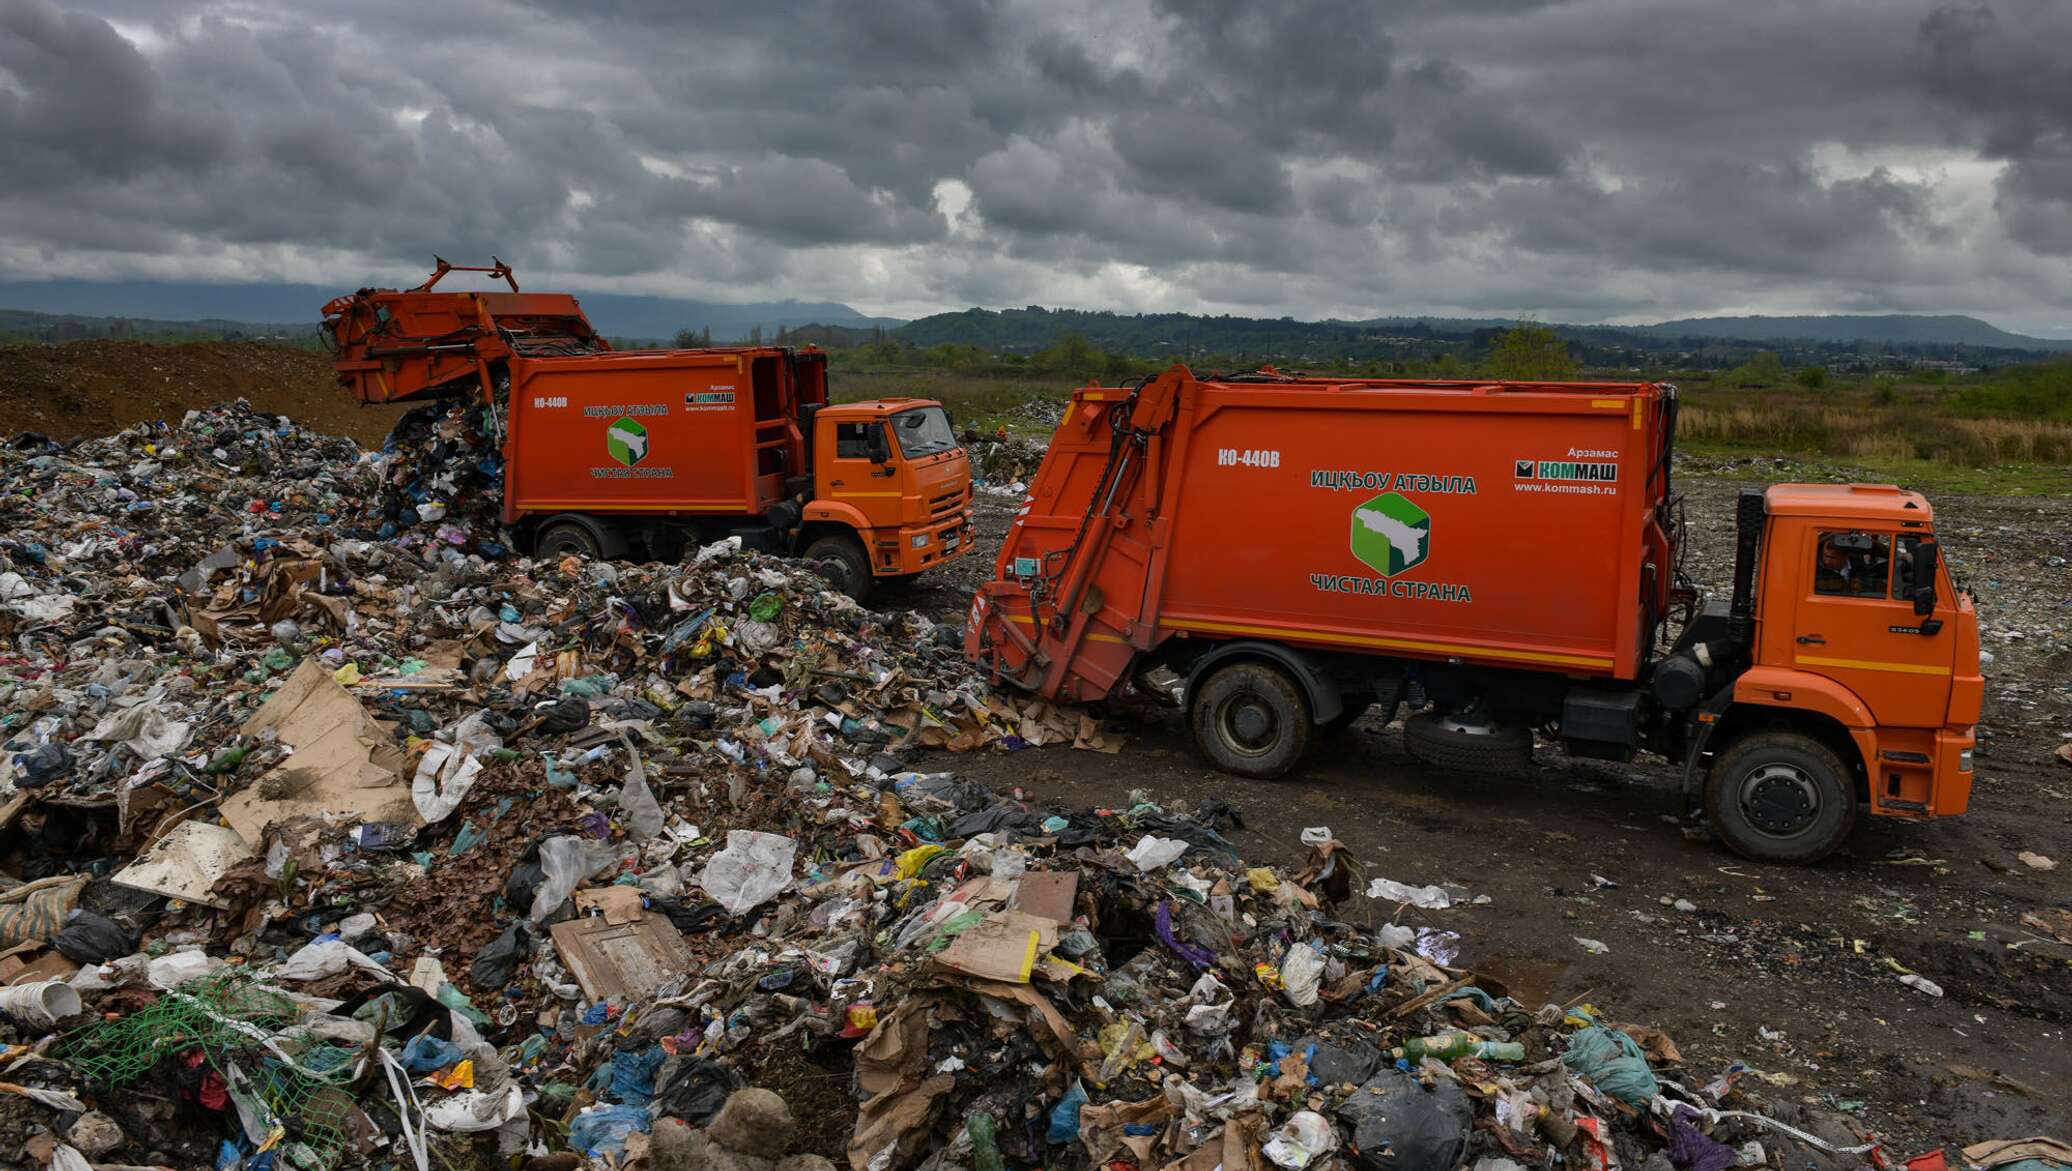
column 1028, row 621
column 1398, row 644
column 1873, row 665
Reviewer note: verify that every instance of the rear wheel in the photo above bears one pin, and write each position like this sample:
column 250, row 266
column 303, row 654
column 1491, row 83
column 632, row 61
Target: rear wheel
column 843, row 564
column 1780, row 797
column 565, row 537
column 1251, row 719
column 1443, row 741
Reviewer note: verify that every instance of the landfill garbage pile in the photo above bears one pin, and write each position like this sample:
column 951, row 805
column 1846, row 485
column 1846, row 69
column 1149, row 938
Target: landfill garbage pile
column 441, row 471
column 320, row 851
column 1001, row 463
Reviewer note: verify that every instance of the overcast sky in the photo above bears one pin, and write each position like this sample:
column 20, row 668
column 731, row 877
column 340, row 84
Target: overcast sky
column 1621, row 160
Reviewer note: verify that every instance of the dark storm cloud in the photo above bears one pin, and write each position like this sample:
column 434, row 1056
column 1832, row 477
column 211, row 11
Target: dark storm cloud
column 1638, row 157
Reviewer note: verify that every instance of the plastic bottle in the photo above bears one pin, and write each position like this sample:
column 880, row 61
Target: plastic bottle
column 1453, row 1046
column 985, row 1150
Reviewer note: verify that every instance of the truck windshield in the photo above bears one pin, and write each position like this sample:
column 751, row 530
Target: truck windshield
column 923, row 431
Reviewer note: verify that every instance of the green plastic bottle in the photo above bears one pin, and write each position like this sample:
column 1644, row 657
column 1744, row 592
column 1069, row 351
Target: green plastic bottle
column 985, row 1149
column 1453, row 1046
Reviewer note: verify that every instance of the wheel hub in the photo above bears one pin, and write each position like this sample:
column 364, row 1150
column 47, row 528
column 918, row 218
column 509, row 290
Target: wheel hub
column 1780, row 799
column 1248, row 724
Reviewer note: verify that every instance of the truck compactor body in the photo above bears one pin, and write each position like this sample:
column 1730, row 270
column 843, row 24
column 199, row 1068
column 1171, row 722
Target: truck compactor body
column 1499, row 557
column 607, row 451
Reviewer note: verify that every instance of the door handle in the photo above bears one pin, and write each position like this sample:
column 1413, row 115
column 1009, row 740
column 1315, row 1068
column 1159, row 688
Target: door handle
column 1931, row 626
column 1813, row 640
column 836, row 483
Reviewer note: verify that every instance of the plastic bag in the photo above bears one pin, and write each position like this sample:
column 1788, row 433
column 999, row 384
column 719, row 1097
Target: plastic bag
column 565, row 861
column 1398, row 1125
column 694, row 1089
column 1430, row 898
column 1156, row 853
column 1301, row 970
column 602, row 1130
column 443, row 779
column 643, row 815
column 496, row 964
column 1614, row 1063
column 754, row 868
column 1305, row 1135
column 1064, row 1117
column 87, row 938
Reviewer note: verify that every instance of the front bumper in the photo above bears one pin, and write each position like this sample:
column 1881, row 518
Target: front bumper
column 918, row 548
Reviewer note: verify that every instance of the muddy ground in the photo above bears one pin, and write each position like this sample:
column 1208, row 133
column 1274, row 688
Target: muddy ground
column 98, row 387
column 1787, row 969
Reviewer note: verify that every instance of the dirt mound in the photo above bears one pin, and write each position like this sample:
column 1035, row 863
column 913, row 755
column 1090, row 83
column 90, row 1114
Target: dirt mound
column 96, row 387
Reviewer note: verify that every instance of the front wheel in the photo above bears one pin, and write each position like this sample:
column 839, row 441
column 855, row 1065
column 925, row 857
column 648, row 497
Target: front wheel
column 1251, row 719
column 1780, row 797
column 843, row 564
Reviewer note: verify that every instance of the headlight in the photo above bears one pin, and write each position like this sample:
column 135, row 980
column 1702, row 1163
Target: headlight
column 1964, row 761
column 920, row 540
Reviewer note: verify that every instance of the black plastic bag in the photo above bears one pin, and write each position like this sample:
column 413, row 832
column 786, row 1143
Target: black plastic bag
column 1334, row 1064
column 564, row 716
column 694, row 1089
column 1398, row 1125
column 689, row 920
column 87, row 938
column 496, row 964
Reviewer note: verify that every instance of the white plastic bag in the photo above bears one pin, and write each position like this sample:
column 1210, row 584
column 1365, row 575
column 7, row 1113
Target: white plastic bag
column 753, row 869
column 1430, row 898
column 644, row 818
column 565, row 861
column 1155, row 853
column 443, row 779
column 1305, row 1135
column 1301, row 970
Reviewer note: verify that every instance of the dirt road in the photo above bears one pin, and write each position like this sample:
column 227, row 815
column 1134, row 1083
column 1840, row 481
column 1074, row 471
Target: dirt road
column 1789, row 970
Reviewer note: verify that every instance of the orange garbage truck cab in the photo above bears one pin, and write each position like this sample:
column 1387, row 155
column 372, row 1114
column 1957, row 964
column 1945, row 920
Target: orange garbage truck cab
column 611, row 453
column 1289, row 553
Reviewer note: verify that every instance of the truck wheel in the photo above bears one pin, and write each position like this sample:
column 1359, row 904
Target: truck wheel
column 1250, row 719
column 1468, row 748
column 1780, row 797
column 843, row 563
column 564, row 537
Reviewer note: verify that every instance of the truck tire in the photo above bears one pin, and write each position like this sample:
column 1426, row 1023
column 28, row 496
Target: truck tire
column 568, row 536
column 1251, row 719
column 1490, row 748
column 843, row 563
column 1780, row 797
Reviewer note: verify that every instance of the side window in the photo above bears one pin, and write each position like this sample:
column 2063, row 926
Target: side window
column 1903, row 582
column 1852, row 564
column 852, row 440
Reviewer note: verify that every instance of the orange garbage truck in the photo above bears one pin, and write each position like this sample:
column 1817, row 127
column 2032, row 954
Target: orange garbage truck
column 609, row 452
column 1499, row 558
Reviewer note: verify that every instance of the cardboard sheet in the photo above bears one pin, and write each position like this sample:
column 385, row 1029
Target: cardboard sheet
column 619, row 905
column 345, row 765
column 1047, row 894
column 1002, row 947
column 186, row 862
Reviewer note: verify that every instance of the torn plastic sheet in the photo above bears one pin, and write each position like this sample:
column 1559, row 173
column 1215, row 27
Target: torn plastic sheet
column 143, row 729
column 1429, row 898
column 754, row 868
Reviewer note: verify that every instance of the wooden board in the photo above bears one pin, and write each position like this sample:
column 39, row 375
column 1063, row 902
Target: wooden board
column 632, row 960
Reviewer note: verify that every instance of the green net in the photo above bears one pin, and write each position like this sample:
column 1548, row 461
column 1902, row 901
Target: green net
column 296, row 1087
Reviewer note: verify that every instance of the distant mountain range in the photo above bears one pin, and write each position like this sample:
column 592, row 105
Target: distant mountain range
column 55, row 309
column 1898, row 328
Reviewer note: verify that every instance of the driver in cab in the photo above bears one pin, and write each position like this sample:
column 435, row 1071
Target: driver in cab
column 1851, row 563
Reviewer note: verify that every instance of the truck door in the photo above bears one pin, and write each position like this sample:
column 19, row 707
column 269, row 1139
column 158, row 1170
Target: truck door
column 1856, row 624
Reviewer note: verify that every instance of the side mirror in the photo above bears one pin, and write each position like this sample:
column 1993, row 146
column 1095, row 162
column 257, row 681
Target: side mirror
column 1924, row 578
column 880, row 448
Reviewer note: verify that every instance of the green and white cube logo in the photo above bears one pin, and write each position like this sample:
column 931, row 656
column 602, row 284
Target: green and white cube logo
column 1390, row 534
column 627, row 440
